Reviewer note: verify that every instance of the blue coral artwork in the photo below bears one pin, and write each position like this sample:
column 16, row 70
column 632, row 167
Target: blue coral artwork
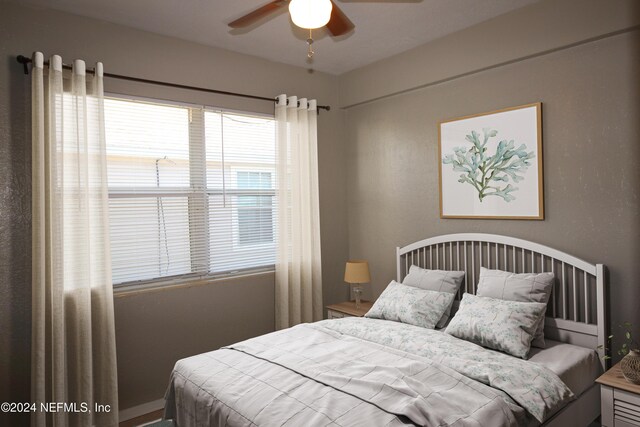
column 491, row 165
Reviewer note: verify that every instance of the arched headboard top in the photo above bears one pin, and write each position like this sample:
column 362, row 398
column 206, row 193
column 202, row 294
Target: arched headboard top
column 576, row 312
column 503, row 240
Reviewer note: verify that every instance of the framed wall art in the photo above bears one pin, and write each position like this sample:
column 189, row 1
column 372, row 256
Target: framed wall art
column 491, row 165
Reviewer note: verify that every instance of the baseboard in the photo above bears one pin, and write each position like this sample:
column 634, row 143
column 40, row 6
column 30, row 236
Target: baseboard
column 136, row 411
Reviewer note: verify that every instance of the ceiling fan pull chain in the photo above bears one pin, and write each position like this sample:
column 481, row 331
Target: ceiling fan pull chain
column 310, row 52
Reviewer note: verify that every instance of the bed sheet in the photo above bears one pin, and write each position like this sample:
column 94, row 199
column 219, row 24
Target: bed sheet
column 578, row 367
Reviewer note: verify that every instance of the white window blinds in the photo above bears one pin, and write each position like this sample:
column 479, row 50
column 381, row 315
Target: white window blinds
column 191, row 190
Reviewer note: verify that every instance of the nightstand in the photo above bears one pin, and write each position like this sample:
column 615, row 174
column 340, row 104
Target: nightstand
column 620, row 400
column 348, row 309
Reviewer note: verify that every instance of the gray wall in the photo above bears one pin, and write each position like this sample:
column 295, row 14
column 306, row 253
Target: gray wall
column 156, row 328
column 153, row 328
column 541, row 27
column 591, row 142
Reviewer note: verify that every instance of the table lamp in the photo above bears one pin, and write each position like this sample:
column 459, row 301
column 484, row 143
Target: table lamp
column 356, row 273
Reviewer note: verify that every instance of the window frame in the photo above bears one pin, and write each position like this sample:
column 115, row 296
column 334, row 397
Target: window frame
column 197, row 190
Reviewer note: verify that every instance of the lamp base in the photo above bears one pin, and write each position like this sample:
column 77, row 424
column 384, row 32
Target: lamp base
column 357, row 292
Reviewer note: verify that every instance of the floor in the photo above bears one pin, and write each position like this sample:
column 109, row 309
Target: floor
column 143, row 419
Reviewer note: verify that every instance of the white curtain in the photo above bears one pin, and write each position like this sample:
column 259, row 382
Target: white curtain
column 73, row 336
column 298, row 265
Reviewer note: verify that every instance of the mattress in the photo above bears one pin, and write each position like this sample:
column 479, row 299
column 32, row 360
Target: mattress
column 578, row 367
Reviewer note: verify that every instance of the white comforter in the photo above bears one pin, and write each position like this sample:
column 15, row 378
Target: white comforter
column 356, row 371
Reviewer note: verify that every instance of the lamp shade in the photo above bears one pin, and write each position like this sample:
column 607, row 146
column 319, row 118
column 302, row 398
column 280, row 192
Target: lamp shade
column 310, row 14
column 357, row 271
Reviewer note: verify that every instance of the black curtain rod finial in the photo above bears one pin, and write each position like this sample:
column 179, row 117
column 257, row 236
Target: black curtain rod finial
column 25, row 62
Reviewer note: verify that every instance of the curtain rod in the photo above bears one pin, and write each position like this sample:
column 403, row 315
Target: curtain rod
column 25, row 61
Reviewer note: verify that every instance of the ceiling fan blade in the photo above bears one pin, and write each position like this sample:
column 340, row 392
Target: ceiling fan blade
column 339, row 24
column 257, row 14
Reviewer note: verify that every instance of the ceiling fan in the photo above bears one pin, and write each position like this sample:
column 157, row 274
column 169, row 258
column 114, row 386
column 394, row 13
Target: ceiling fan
column 306, row 14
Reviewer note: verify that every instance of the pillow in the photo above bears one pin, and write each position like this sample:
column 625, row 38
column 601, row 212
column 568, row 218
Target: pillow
column 498, row 324
column 410, row 305
column 527, row 287
column 435, row 280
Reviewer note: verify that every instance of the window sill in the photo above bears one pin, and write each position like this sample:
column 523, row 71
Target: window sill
column 134, row 289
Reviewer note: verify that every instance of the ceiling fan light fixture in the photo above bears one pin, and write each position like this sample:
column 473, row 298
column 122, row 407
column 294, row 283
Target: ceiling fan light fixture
column 310, row 14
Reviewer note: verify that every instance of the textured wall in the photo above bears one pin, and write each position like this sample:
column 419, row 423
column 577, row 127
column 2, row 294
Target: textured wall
column 15, row 239
column 543, row 26
column 153, row 328
column 591, row 143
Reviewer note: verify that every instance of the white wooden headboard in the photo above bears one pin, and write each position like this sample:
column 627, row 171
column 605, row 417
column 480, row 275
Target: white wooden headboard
column 576, row 313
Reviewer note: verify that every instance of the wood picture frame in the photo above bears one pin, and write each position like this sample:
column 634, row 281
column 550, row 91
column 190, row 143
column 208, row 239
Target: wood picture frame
column 490, row 165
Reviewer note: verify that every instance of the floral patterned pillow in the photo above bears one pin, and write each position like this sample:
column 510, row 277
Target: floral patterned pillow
column 523, row 287
column 435, row 280
column 410, row 305
column 507, row 326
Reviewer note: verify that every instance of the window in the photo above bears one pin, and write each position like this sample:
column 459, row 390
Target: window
column 191, row 190
column 255, row 213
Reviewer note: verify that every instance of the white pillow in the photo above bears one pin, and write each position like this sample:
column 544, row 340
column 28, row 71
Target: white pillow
column 410, row 305
column 435, row 280
column 498, row 324
column 525, row 287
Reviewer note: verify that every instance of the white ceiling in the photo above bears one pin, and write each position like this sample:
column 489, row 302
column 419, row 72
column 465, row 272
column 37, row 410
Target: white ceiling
column 383, row 28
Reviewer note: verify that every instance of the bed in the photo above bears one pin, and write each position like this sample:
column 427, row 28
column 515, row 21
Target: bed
column 361, row 371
